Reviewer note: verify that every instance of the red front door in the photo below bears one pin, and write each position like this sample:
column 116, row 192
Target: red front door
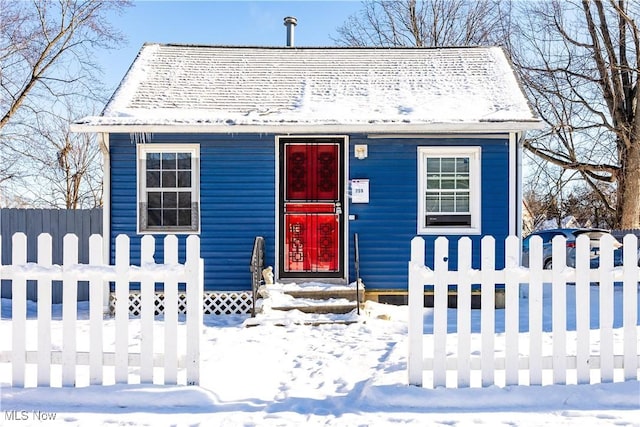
column 311, row 220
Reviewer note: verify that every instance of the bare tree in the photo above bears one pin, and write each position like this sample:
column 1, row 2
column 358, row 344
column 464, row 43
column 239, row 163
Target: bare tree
column 46, row 57
column 422, row 23
column 588, row 208
column 65, row 167
column 546, row 188
column 579, row 62
column 554, row 197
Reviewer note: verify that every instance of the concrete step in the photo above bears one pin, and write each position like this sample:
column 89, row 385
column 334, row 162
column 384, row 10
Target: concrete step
column 313, row 290
column 349, row 294
column 297, row 317
column 309, row 298
column 286, row 321
column 285, row 302
column 322, row 308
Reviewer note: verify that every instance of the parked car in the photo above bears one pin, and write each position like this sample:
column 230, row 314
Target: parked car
column 570, row 235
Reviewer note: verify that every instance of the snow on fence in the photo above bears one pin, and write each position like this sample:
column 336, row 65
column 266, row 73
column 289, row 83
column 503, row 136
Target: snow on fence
column 145, row 350
column 525, row 356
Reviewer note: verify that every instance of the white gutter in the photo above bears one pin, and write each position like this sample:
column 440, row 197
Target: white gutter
column 283, row 129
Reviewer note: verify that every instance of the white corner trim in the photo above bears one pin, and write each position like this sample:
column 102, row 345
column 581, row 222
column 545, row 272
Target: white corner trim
column 513, row 184
column 103, row 140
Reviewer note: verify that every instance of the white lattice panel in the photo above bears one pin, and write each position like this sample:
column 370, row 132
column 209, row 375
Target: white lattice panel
column 227, row 302
column 213, row 303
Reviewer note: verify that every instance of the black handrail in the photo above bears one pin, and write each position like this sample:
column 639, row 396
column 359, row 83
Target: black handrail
column 357, row 265
column 256, row 266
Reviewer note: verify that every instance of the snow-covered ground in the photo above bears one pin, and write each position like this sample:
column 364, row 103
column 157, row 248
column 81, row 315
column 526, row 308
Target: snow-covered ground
column 330, row 375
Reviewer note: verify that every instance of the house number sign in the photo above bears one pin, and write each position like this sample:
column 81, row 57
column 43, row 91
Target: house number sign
column 359, row 191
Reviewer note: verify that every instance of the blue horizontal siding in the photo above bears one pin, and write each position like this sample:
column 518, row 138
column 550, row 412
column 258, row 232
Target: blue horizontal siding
column 386, row 225
column 237, row 199
column 237, row 195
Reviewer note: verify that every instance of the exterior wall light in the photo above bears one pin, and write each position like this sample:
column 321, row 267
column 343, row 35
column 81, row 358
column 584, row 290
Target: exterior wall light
column 361, row 151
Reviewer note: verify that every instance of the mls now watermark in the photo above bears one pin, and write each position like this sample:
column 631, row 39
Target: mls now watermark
column 16, row 415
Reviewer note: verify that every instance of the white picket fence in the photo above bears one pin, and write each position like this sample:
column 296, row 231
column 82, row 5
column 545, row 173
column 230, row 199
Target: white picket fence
column 149, row 354
column 522, row 358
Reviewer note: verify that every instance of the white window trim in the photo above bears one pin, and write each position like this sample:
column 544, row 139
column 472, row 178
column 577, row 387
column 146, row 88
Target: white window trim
column 475, row 196
column 142, row 150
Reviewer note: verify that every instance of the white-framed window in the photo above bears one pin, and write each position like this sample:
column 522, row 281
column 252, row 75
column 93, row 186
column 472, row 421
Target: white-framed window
column 169, row 188
column 449, row 190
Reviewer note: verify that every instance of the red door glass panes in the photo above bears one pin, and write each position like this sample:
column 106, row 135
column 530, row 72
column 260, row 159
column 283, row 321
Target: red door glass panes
column 311, row 172
column 311, row 242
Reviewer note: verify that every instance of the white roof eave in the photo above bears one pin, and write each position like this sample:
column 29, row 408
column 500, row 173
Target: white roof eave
column 301, row 128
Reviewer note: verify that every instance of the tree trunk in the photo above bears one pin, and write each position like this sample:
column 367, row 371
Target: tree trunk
column 629, row 188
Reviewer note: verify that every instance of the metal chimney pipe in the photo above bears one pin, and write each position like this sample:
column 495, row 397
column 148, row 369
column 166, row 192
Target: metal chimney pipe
column 290, row 22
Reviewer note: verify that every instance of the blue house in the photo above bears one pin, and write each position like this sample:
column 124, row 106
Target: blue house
column 309, row 146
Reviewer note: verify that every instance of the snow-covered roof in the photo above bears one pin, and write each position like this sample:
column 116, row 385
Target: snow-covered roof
column 237, row 87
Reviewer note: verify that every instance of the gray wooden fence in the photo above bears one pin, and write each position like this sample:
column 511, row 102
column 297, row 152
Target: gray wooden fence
column 58, row 223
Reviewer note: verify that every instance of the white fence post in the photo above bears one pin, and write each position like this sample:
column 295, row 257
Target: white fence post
column 194, row 270
column 122, row 309
column 487, row 312
column 512, row 310
column 19, row 312
column 606, row 308
column 440, row 296
column 69, row 310
column 630, row 307
column 415, row 362
column 535, row 311
column 583, row 310
column 170, row 313
column 559, row 310
column 44, row 312
column 147, row 313
column 96, row 314
column 464, row 312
